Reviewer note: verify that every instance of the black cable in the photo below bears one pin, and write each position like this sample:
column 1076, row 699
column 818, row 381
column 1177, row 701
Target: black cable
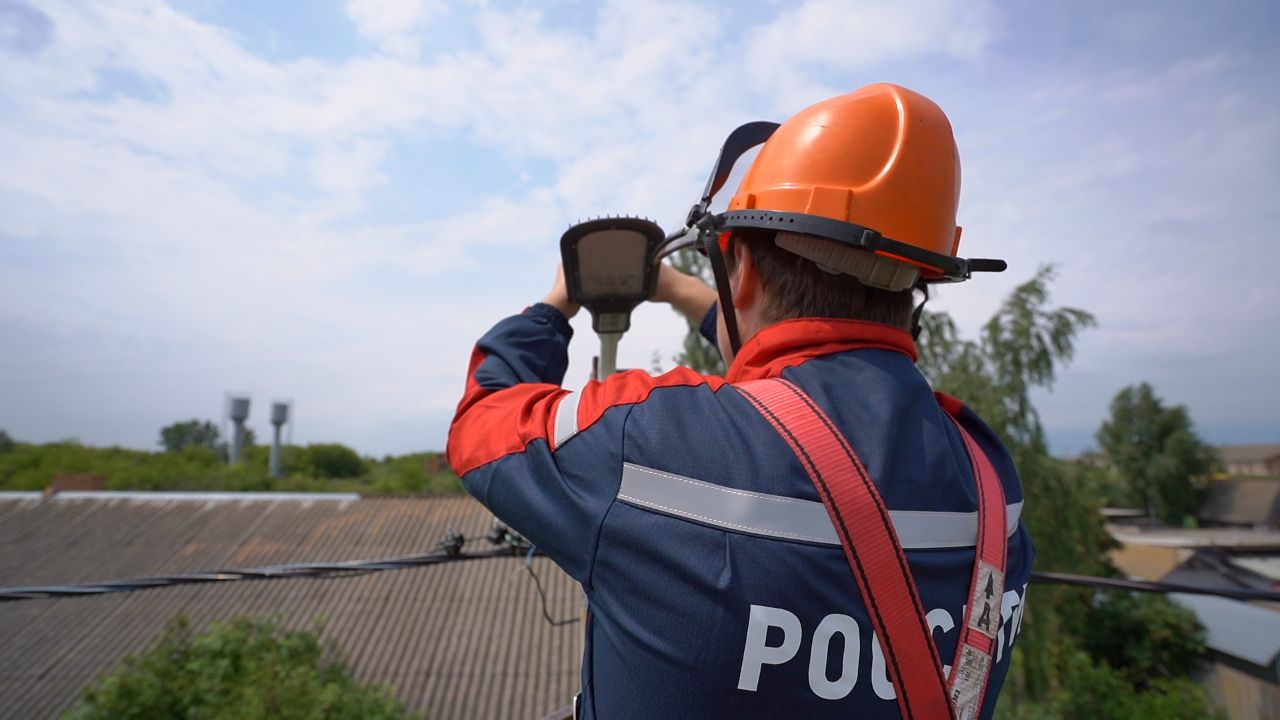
column 546, row 614
column 500, row 534
column 514, row 546
column 295, row 570
column 1147, row 586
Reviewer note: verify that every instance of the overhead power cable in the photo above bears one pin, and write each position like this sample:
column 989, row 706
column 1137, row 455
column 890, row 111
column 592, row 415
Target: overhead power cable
column 295, row 570
column 451, row 550
column 1158, row 587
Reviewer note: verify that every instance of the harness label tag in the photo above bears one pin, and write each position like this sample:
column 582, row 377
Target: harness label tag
column 984, row 614
column 968, row 683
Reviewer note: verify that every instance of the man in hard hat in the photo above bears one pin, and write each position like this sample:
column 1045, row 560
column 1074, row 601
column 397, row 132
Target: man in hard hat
column 814, row 534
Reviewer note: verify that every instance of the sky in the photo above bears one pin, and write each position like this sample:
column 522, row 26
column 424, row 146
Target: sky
column 328, row 202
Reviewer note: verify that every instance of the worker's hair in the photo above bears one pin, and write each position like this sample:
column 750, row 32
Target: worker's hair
column 798, row 288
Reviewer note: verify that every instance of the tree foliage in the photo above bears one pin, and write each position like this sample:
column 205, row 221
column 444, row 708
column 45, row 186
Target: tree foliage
column 1090, row 690
column 1146, row 638
column 191, row 433
column 195, row 433
column 331, row 460
column 245, row 668
column 1021, row 347
column 1080, row 655
column 1155, row 450
column 33, row 467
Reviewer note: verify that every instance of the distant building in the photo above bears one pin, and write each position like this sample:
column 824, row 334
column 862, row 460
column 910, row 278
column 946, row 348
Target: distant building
column 1251, row 460
column 1153, row 553
column 65, row 483
column 1243, row 638
column 1242, row 502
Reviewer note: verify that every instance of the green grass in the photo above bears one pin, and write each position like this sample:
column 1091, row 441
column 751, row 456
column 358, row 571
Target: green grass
column 25, row 466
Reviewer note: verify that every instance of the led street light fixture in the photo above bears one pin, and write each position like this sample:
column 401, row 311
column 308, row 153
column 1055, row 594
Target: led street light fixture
column 609, row 268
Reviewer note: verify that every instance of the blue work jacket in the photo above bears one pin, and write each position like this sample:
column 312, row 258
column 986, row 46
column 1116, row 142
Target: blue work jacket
column 715, row 583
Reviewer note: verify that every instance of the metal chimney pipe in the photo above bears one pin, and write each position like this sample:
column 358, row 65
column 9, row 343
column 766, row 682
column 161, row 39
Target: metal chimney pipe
column 239, row 413
column 279, row 416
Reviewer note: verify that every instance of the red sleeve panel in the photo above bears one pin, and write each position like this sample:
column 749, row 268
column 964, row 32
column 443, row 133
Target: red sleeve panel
column 513, row 384
column 507, row 440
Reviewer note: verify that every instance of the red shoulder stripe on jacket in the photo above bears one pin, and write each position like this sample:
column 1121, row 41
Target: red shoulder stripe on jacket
column 625, row 388
column 483, row 430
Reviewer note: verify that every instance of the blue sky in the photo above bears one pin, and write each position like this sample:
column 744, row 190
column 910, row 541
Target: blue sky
column 329, row 201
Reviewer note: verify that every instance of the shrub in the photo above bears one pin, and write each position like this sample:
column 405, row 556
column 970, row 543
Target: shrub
column 244, row 668
column 191, row 433
column 1144, row 637
column 332, row 460
column 1091, row 690
column 33, row 467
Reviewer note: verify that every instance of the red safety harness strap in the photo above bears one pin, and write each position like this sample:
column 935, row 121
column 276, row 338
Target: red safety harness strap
column 975, row 653
column 870, row 544
column 877, row 560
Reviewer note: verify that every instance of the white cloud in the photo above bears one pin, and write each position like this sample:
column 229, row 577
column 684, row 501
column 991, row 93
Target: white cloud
column 796, row 54
column 394, row 24
column 221, row 234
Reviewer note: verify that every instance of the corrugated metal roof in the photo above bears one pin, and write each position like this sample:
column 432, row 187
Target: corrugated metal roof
column 458, row 640
column 1235, row 628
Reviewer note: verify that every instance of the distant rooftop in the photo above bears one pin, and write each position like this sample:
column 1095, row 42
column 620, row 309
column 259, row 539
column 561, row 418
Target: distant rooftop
column 1242, row 501
column 1120, row 513
column 1248, row 453
column 464, row 640
column 1268, row 566
column 1227, row 538
column 176, row 496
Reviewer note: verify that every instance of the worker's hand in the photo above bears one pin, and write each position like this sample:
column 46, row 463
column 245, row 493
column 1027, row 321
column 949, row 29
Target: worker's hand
column 559, row 295
column 687, row 293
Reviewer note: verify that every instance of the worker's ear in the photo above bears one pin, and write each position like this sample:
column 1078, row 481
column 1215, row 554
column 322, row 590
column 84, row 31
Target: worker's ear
column 745, row 280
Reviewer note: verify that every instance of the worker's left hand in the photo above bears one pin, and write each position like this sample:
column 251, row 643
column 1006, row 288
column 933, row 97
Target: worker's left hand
column 559, row 295
column 686, row 293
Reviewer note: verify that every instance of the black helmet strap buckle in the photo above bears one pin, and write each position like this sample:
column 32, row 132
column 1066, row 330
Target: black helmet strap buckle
column 952, row 269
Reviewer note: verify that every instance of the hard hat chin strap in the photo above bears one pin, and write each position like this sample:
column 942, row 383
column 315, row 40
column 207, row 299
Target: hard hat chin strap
column 915, row 314
column 711, row 243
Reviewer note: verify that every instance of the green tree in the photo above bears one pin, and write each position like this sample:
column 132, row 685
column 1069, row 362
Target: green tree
column 1144, row 637
column 1156, row 451
column 245, row 668
column 1020, row 348
column 192, row 433
column 1096, row 691
column 6, row 443
column 331, row 460
column 1079, row 656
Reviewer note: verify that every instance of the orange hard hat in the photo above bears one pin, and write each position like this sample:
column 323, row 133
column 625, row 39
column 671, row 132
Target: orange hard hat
column 876, row 171
column 865, row 184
